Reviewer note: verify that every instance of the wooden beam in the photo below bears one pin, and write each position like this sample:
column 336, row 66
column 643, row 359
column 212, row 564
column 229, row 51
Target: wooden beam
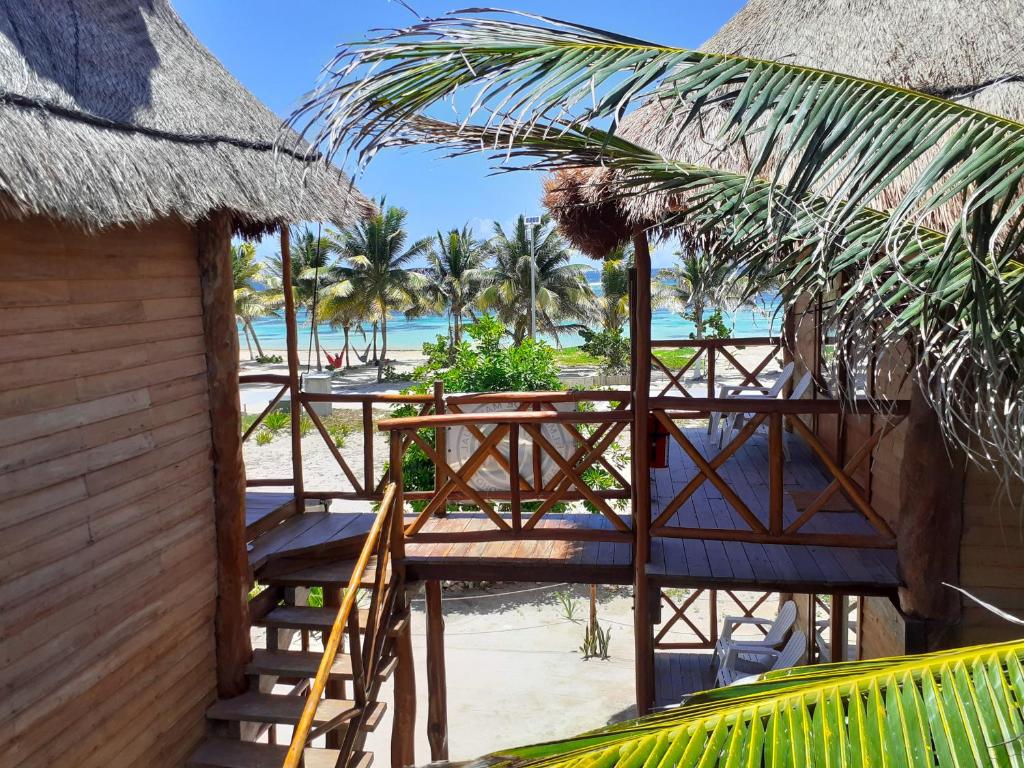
column 292, row 342
column 837, row 628
column 437, row 684
column 930, row 522
column 641, row 479
column 403, row 734
column 221, row 336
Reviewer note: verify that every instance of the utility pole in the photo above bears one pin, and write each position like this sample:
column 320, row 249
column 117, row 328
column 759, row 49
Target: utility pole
column 533, row 222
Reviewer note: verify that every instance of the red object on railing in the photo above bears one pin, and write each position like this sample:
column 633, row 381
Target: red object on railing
column 659, row 445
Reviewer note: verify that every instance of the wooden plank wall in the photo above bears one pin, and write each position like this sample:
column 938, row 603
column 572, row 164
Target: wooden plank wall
column 107, row 542
column 991, row 564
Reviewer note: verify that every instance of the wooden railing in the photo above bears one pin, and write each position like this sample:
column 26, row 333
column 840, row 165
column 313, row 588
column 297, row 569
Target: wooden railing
column 283, row 383
column 704, row 626
column 715, row 355
column 562, row 446
column 370, row 653
column 766, row 522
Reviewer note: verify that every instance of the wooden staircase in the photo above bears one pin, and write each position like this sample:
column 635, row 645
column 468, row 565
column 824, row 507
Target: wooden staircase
column 330, row 699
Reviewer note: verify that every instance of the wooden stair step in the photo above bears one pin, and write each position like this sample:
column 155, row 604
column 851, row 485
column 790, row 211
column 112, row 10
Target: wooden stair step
column 321, row 619
column 305, row 664
column 230, row 753
column 255, row 707
column 335, row 574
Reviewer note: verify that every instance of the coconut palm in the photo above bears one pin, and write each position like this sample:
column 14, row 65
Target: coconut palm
column 613, row 303
column 374, row 257
column 455, row 277
column 698, row 283
column 311, row 257
column 340, row 308
column 251, row 302
column 561, row 287
column 843, row 173
column 960, row 707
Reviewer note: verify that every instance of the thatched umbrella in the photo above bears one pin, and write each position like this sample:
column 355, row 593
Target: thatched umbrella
column 112, row 112
column 971, row 51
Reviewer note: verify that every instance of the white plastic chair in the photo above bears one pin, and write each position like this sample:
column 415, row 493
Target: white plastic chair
column 743, row 663
column 729, row 391
column 778, row 628
column 735, row 424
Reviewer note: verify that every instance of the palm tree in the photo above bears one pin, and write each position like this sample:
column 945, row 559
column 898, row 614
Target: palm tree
column 341, row 308
column 311, row 255
column 696, row 284
column 613, row 303
column 958, row 707
column 251, row 302
column 562, row 290
column 455, row 277
column 375, row 259
column 823, row 148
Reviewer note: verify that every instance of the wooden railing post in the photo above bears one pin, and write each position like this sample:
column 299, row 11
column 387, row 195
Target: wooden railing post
column 440, row 434
column 515, row 492
column 292, row 342
column 709, row 352
column 776, row 457
column 368, row 484
column 437, row 684
column 837, row 628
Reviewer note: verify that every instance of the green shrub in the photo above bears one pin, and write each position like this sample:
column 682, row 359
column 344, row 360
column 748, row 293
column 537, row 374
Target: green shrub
column 339, row 432
column 247, row 421
column 610, row 346
column 276, row 421
column 267, row 359
column 263, row 436
column 305, row 425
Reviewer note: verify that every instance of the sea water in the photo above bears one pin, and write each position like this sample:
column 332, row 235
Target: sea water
column 411, row 334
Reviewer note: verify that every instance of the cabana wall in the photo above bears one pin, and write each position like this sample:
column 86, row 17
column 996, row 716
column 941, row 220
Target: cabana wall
column 956, row 522
column 108, row 524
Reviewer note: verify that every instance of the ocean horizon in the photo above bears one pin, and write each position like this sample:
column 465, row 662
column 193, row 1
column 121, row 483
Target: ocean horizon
column 405, row 334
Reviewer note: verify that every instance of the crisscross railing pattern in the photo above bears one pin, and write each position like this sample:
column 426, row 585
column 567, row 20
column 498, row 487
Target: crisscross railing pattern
column 771, row 525
column 714, row 354
column 683, row 615
column 384, row 544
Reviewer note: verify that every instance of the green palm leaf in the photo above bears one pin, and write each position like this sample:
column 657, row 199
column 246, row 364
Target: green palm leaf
column 813, row 130
column 963, row 707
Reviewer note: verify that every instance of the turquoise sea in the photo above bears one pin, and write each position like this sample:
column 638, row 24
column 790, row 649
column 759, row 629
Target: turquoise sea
column 411, row 334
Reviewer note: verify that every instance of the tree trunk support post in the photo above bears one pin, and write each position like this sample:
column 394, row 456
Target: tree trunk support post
column 403, row 733
column 837, row 628
column 641, row 507
column 292, row 341
column 220, row 333
column 437, row 684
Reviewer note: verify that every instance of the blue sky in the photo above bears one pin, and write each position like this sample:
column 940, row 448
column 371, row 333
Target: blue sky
column 277, row 49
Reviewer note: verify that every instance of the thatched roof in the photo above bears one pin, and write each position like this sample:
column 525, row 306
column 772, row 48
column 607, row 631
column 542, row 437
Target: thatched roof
column 111, row 112
column 971, row 51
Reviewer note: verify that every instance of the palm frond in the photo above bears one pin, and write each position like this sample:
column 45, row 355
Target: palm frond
column 812, row 130
column 963, row 707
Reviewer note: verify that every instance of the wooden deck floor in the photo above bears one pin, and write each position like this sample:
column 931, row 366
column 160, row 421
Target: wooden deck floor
column 680, row 674
column 674, row 562
column 796, row 568
column 264, row 510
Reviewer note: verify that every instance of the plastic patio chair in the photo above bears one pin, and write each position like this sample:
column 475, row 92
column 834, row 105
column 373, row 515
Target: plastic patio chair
column 729, row 391
column 778, row 628
column 735, row 424
column 742, row 663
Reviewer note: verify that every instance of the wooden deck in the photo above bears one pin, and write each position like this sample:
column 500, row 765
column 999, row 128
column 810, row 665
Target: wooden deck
column 264, row 511
column 768, row 567
column 680, row 674
column 674, row 562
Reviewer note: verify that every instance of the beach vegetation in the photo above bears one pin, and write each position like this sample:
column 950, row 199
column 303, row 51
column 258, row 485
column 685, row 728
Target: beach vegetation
column 562, row 293
column 697, row 284
column 375, row 259
column 306, row 425
column 269, row 359
column 454, row 278
column 264, row 436
column 252, row 300
column 275, row 421
column 610, row 346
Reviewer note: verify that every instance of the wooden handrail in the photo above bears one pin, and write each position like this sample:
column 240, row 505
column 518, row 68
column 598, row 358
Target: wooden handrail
column 560, row 396
column 503, row 417
column 738, row 341
column 790, row 407
column 263, row 378
column 371, row 397
column 333, row 643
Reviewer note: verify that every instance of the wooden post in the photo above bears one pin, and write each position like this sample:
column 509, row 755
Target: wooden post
column 368, row 433
column 775, row 474
column 641, row 507
column 709, row 354
column 437, row 684
column 441, row 440
column 292, row 342
column 515, row 492
column 221, row 339
column 403, row 735
column 931, row 517
column 837, row 629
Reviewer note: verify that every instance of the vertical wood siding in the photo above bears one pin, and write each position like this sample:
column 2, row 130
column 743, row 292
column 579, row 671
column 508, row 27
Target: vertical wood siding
column 107, row 544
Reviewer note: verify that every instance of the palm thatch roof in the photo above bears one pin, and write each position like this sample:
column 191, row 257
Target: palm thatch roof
column 971, row 51
column 112, row 112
